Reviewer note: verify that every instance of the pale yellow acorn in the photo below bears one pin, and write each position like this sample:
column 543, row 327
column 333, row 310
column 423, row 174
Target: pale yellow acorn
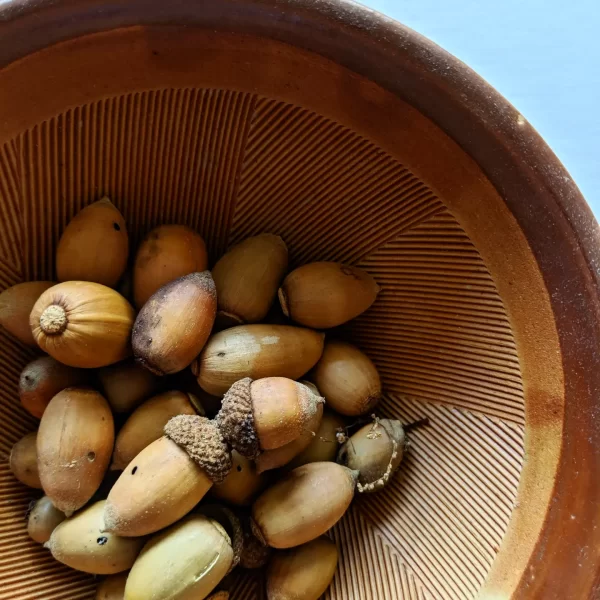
column 303, row 505
column 167, row 253
column 81, row 543
column 375, row 451
column 112, row 587
column 302, row 573
column 347, row 378
column 94, row 246
column 185, row 562
column 247, row 278
column 256, row 351
column 23, row 461
column 146, row 424
column 83, row 324
column 322, row 295
column 127, row 384
column 174, row 324
column 16, row 304
column 242, row 484
column 265, row 414
column 74, row 445
column 43, row 519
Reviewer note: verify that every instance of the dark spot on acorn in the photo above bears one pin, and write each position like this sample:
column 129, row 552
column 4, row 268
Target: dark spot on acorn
column 117, row 227
column 221, row 354
column 102, row 540
column 92, row 455
column 239, row 468
column 133, row 471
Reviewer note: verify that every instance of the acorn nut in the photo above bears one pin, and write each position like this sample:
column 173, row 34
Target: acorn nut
column 43, row 519
column 242, row 483
column 23, row 461
column 112, row 588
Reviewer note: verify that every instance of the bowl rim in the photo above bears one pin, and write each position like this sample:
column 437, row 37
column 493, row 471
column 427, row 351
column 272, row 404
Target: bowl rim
column 560, row 227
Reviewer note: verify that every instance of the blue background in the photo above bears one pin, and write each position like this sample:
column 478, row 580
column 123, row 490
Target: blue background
column 542, row 55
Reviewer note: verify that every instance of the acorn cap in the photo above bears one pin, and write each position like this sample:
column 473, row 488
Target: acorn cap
column 236, row 419
column 201, row 439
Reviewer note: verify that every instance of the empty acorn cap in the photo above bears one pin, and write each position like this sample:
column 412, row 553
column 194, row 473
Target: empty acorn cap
column 201, row 439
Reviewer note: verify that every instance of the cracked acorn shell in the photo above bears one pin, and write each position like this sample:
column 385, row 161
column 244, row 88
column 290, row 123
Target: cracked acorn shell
column 81, row 543
column 198, row 553
column 167, row 253
column 265, row 414
column 112, row 588
column 375, row 451
column 16, row 304
column 322, row 295
column 303, row 505
column 43, row 519
column 247, row 278
column 94, row 246
column 256, row 351
column 42, row 379
column 146, row 424
column 173, row 326
column 302, row 573
column 23, row 461
column 83, row 324
column 74, row 445
column 241, row 484
column 347, row 378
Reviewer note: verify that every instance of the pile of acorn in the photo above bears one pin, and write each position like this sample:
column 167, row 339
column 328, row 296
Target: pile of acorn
column 277, row 458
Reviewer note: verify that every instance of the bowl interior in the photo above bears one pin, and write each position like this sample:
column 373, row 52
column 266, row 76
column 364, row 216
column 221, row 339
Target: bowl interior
column 234, row 135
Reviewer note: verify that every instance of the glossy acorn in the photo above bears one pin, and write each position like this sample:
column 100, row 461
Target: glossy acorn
column 23, row 461
column 43, row 519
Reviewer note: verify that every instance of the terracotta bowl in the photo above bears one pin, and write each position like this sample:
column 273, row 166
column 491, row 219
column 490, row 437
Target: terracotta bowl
column 360, row 141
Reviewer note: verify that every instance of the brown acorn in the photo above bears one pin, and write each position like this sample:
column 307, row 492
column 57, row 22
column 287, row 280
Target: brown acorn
column 375, row 451
column 42, row 379
column 348, row 379
column 146, row 425
column 167, row 253
column 43, row 519
column 94, row 246
column 322, row 295
column 256, row 351
column 242, row 483
column 127, row 384
column 186, row 561
column 303, row 505
column 23, row 461
column 302, row 573
column 247, row 278
column 74, row 445
column 324, row 445
column 265, row 414
column 173, row 326
column 16, row 303
column 112, row 587
column 83, row 324
column 165, row 480
column 81, row 543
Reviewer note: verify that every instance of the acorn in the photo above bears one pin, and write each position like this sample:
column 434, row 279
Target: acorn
column 265, row 414
column 43, row 519
column 94, row 246
column 42, row 379
column 303, row 505
column 186, row 561
column 302, row 573
column 278, row 457
column 348, row 379
column 74, row 445
column 324, row 445
column 247, row 278
column 127, row 384
column 255, row 554
column 146, row 425
column 322, row 295
column 23, row 461
column 81, row 543
column 16, row 304
column 112, row 588
column 83, row 324
column 173, row 326
column 375, row 451
column 166, row 480
column 242, row 484
column 167, row 253
column 256, row 351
